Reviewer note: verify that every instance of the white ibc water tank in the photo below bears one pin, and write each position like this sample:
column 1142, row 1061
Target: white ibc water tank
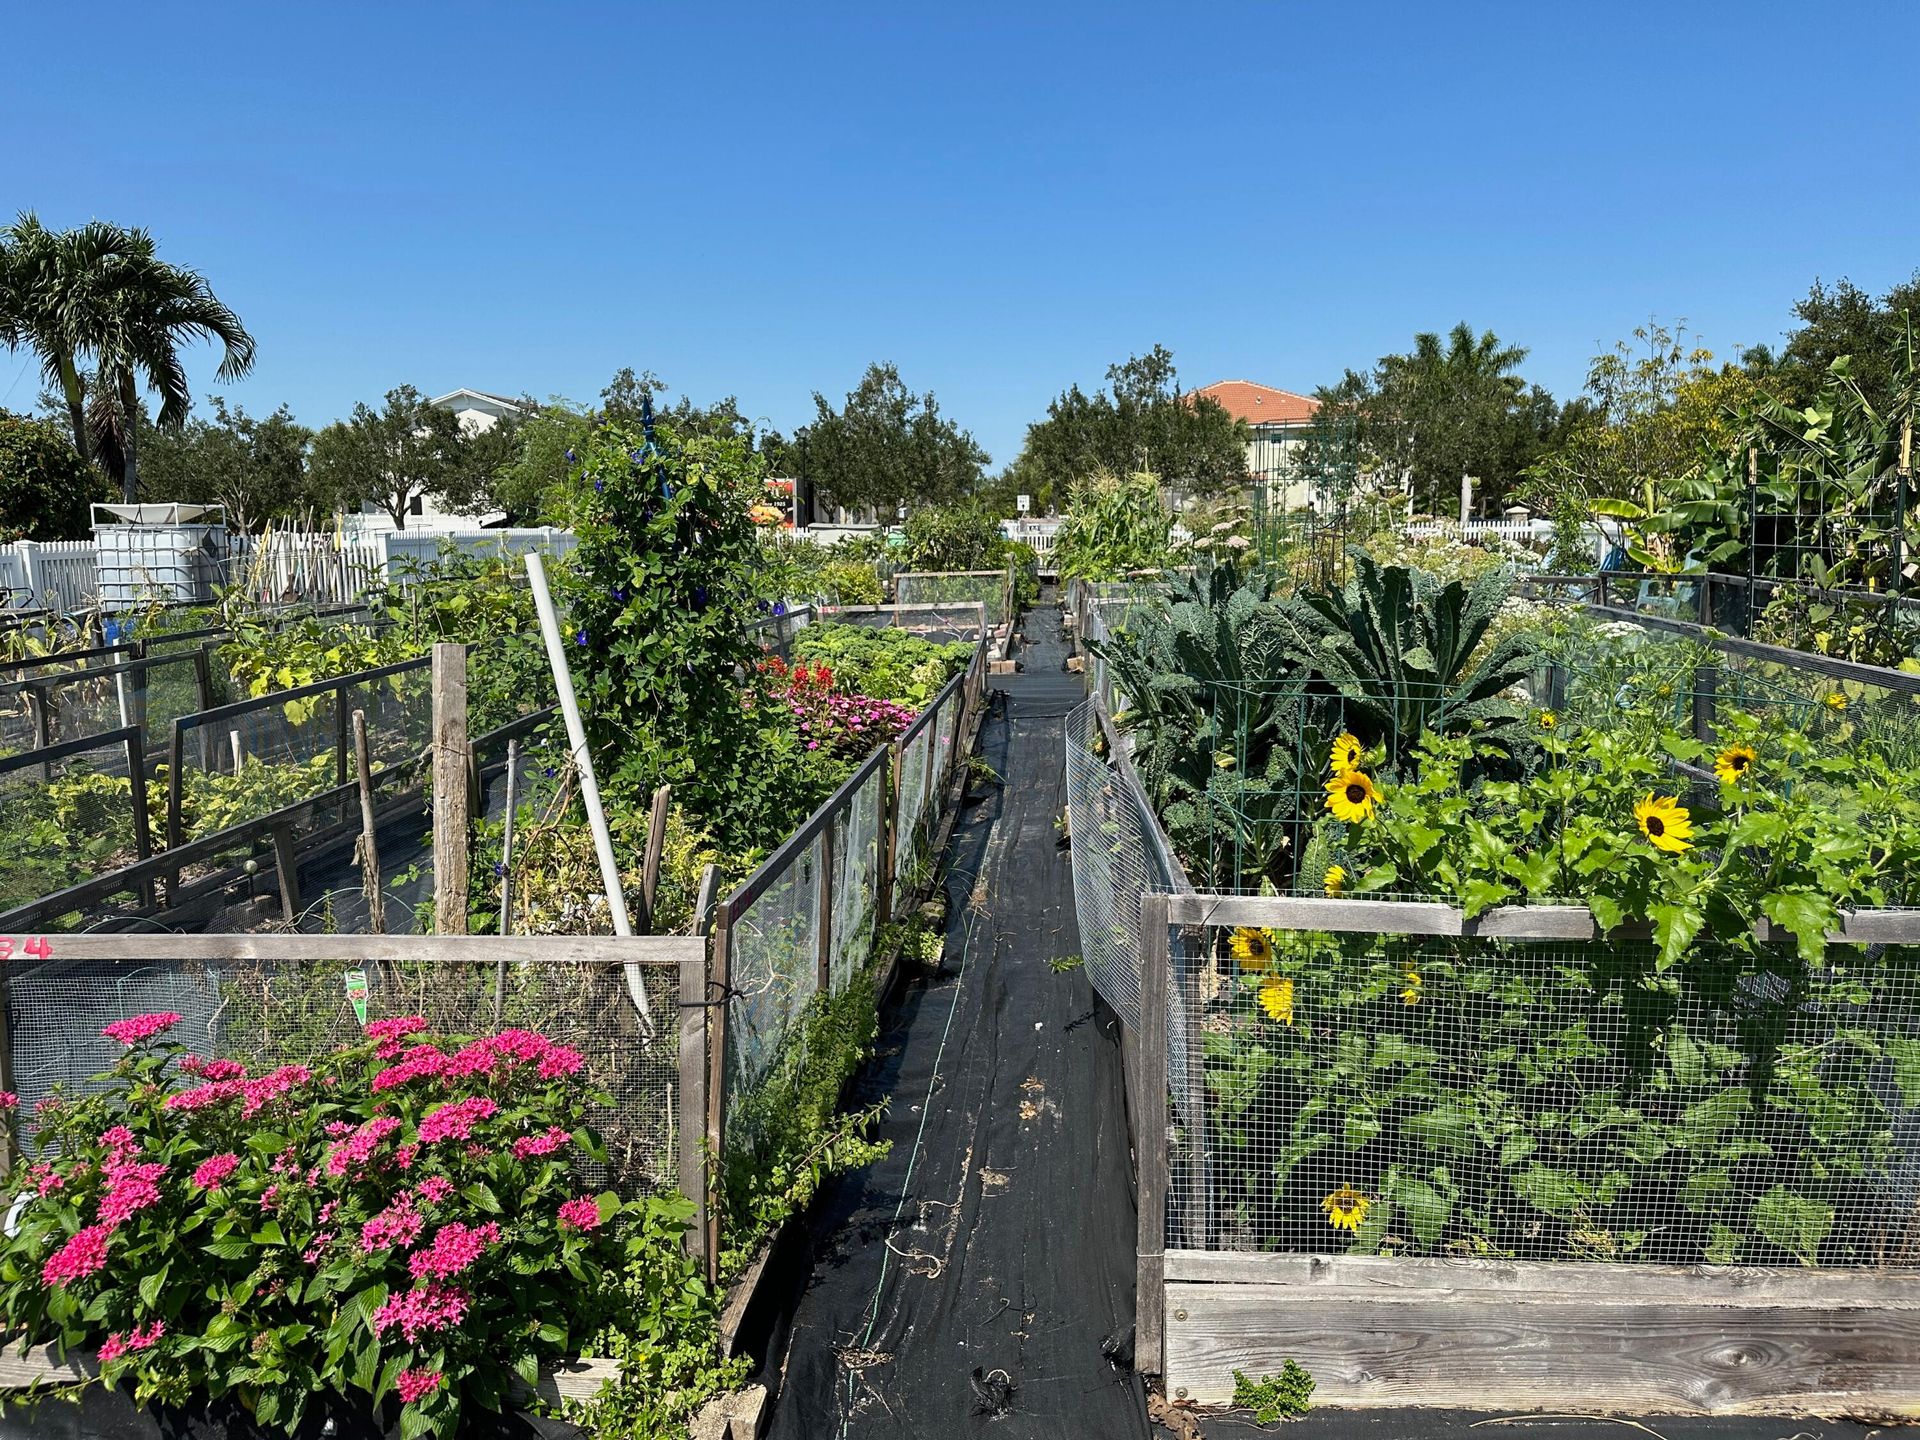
column 166, row 552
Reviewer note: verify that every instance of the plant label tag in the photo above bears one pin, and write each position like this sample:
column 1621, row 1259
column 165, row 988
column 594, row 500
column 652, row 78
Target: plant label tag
column 357, row 994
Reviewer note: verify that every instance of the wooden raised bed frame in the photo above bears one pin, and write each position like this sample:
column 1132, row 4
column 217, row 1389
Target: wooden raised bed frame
column 1501, row 1334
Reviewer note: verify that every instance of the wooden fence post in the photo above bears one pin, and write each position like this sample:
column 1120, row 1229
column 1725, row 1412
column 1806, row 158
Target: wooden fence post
column 1151, row 1141
column 450, row 789
column 650, row 866
column 369, row 842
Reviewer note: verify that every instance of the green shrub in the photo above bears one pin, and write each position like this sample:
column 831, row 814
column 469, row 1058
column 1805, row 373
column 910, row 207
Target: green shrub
column 885, row 663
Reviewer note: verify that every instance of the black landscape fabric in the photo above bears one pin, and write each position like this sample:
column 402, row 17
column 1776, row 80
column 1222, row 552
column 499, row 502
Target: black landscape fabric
column 967, row 1283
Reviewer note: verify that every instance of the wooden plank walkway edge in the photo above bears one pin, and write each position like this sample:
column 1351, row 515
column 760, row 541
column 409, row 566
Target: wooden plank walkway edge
column 1559, row 1336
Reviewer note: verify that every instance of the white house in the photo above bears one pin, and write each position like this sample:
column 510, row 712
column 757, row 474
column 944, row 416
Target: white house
column 477, row 411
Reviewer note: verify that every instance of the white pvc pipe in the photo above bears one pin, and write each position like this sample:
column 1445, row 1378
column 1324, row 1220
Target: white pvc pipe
column 589, row 787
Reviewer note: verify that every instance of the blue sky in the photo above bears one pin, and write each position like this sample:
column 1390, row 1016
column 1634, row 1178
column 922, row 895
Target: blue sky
column 1000, row 199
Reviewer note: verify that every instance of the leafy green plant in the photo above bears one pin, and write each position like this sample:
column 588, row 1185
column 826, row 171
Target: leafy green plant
column 883, row 662
column 1114, row 527
column 1285, row 1396
column 396, row 1228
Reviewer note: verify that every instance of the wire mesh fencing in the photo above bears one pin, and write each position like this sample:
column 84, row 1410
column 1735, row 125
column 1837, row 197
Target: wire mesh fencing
column 859, row 855
column 1536, row 1099
column 992, row 589
column 69, row 812
column 282, row 1007
column 1118, row 855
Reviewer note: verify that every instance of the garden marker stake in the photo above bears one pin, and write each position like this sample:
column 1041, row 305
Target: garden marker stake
column 589, row 787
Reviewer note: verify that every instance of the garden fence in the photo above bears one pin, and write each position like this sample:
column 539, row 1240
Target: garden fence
column 810, row 919
column 1407, row 1150
column 59, row 703
column 992, row 588
column 270, row 1000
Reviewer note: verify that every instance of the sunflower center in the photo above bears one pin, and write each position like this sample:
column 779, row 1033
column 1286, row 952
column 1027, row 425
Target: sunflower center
column 1738, row 762
column 1356, row 793
column 1655, row 825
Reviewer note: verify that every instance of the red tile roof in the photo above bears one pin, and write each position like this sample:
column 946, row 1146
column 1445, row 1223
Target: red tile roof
column 1261, row 404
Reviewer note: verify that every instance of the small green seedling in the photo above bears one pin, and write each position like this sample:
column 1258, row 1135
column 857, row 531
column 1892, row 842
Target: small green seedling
column 1065, row 964
column 1285, row 1396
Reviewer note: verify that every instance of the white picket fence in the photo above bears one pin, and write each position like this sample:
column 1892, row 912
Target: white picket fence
column 321, row 565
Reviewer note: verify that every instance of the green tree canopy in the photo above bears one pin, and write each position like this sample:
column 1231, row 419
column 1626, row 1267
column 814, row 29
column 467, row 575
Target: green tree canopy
column 1142, row 421
column 409, row 448
column 255, row 466
column 885, row 447
column 1451, row 406
column 45, row 487
column 1845, row 320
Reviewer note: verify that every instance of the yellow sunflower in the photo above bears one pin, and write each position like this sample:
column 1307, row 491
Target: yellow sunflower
column 1253, row 949
column 1346, row 1208
column 1347, row 754
column 1835, row 701
column 1665, row 822
column 1336, row 880
column 1276, row 998
column 1412, row 992
column 1352, row 796
column 1733, row 763
column 1547, row 719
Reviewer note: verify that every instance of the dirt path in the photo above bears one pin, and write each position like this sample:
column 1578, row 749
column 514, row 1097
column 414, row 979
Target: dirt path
column 968, row 1281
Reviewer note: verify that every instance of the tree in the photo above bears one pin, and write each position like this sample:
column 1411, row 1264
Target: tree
column 1142, row 421
column 885, row 447
column 532, row 485
column 254, row 466
column 393, row 456
column 1846, row 320
column 45, row 487
column 1449, row 407
column 101, row 293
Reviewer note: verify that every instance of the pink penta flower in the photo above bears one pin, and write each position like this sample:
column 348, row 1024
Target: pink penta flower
column 356, row 1152
column 136, row 1028
column 213, row 1170
column 119, row 1138
column 433, row 1189
column 421, row 1062
column 112, row 1348
column 559, row 1061
column 423, row 1310
column 413, row 1384
column 454, row 1249
column 581, row 1214
column 389, row 1034
column 395, row 1227
column 130, row 1189
column 455, row 1120
column 84, row 1253
column 8, row 1100
column 145, row 1337
column 528, row 1146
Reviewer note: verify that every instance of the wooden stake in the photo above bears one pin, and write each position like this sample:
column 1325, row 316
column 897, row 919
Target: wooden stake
column 450, row 791
column 650, row 867
column 369, row 848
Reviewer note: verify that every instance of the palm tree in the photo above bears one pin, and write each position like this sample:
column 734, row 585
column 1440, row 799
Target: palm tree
column 100, row 293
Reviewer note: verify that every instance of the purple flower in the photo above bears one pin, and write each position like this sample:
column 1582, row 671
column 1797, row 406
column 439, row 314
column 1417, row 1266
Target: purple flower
column 699, row 597
column 779, row 608
column 600, row 485
column 548, row 772
column 620, row 597
column 570, row 455
column 636, row 455
column 499, row 870
column 581, row 638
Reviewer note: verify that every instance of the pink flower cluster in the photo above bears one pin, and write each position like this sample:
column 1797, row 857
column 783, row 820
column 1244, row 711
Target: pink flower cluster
column 389, row 1033
column 131, row 1186
column 433, row 1189
column 136, row 1028
column 214, row 1170
column 428, row 1307
column 254, row 1095
column 456, row 1119
column 84, row 1253
column 212, row 1069
column 144, row 1337
column 356, row 1152
column 581, row 1214
column 412, row 1384
column 420, row 1063
column 493, row 1054
column 395, row 1227
column 528, row 1146
column 454, row 1249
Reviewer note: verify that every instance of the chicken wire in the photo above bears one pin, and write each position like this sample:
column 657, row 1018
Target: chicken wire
column 1539, row 1100
column 152, row 693
column 1117, row 857
column 241, row 764
column 67, row 817
column 915, row 755
column 773, row 951
column 858, row 857
column 266, row 1013
column 942, row 588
